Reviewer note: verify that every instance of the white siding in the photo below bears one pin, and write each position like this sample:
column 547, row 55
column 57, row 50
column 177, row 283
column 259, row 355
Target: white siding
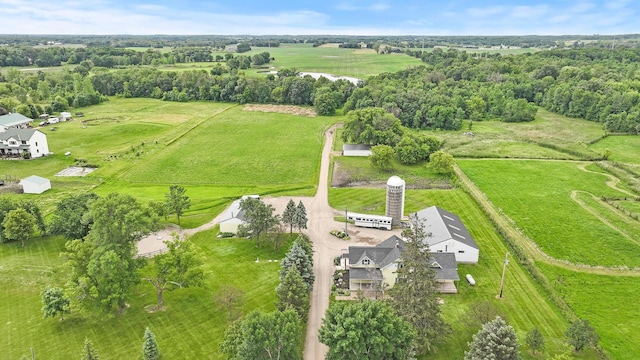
column 464, row 253
column 38, row 145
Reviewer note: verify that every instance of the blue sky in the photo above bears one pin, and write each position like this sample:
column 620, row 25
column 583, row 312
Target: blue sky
column 349, row 17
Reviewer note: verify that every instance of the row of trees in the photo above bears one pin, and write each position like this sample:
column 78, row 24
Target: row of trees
column 277, row 335
column 262, row 220
column 150, row 350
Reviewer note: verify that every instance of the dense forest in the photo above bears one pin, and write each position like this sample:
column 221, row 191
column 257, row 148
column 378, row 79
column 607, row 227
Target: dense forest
column 598, row 84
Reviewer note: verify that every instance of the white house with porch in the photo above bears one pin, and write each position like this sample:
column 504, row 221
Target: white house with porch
column 13, row 142
column 13, row 121
column 376, row 266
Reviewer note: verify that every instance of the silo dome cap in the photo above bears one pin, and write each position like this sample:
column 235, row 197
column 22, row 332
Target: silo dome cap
column 395, row 181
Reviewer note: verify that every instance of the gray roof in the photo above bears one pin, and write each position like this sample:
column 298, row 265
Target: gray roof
column 443, row 226
column 18, row 134
column 14, row 119
column 390, row 251
column 365, row 274
column 36, row 180
column 353, row 147
column 445, row 266
column 234, row 212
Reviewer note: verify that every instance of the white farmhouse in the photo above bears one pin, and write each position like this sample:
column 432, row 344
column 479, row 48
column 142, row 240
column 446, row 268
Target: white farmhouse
column 14, row 141
column 234, row 216
column 35, row 184
column 448, row 235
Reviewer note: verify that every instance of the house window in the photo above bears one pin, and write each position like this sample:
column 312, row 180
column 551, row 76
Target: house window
column 366, row 262
column 439, row 250
column 36, row 143
column 460, row 251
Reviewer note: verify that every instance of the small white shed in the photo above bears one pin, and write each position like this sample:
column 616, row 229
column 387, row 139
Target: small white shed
column 35, row 184
column 356, row 150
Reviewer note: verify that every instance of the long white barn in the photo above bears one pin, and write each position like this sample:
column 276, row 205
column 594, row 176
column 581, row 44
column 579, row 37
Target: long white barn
column 370, row 221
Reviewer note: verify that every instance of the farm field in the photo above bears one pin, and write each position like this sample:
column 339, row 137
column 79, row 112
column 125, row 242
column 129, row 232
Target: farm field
column 523, row 304
column 359, row 63
column 551, row 202
column 545, row 200
column 624, row 148
column 217, row 151
column 192, row 325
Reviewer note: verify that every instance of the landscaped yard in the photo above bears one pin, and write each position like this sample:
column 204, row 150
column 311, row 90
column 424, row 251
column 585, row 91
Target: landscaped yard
column 191, row 327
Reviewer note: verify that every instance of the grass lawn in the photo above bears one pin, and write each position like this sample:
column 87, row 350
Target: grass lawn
column 624, row 148
column 608, row 302
column 523, row 304
column 536, row 195
column 191, row 326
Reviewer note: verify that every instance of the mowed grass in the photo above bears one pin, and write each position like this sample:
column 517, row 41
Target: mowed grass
column 544, row 138
column 610, row 303
column 624, row 148
column 191, row 327
column 523, row 305
column 536, row 195
column 240, row 148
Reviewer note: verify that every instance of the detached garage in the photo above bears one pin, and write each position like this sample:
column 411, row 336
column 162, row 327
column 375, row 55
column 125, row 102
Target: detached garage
column 35, row 184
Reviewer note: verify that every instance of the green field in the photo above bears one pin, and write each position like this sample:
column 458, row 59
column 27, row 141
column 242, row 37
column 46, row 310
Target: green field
column 217, row 151
column 191, row 326
column 536, row 195
column 624, row 148
column 549, row 136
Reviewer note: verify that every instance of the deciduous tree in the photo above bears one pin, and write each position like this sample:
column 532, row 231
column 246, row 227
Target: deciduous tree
column 496, row 340
column 535, row 340
column 442, row 162
column 70, row 218
column 382, row 157
column 260, row 217
column 179, row 267
column 18, row 225
column 366, row 330
column 176, row 200
column 274, row 335
column 54, row 302
column 581, row 334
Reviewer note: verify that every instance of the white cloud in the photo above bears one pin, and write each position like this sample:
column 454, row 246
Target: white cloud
column 376, row 7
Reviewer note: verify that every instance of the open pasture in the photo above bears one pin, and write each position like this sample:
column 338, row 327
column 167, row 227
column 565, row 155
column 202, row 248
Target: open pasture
column 610, row 303
column 191, row 327
column 624, row 148
column 523, row 305
column 552, row 202
column 549, row 136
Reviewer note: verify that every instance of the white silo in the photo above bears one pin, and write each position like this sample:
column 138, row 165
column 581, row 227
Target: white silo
column 395, row 199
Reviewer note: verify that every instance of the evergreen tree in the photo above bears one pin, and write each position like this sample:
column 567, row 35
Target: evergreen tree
column 293, row 293
column 415, row 294
column 88, row 352
column 289, row 215
column 297, row 257
column 149, row 346
column 496, row 340
column 535, row 340
column 301, row 216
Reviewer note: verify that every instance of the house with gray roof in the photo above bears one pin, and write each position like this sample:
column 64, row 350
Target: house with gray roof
column 234, row 216
column 13, row 142
column 447, row 234
column 371, row 266
column 13, row 121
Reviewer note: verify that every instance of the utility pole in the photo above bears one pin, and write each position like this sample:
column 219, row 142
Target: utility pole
column 346, row 217
column 504, row 270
